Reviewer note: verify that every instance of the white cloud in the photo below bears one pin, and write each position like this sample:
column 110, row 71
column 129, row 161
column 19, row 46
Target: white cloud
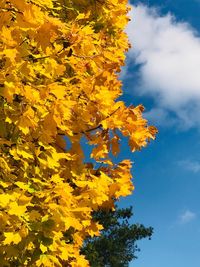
column 160, row 116
column 168, row 55
column 187, row 216
column 190, row 165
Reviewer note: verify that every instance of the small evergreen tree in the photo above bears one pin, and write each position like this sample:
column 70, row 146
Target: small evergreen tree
column 116, row 246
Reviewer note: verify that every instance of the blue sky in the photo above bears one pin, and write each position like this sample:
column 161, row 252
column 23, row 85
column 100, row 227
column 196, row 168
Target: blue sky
column 163, row 73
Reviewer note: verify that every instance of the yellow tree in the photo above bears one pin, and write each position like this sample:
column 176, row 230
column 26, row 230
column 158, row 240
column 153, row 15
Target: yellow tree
column 59, row 63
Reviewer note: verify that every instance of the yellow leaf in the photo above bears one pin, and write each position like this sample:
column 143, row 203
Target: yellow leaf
column 100, row 151
column 15, row 209
column 7, row 37
column 94, row 229
column 22, row 185
column 5, row 184
column 43, row 248
column 4, row 165
column 115, row 145
column 24, row 154
column 8, row 120
column 9, row 90
column 11, row 237
column 58, row 90
column 11, row 54
column 4, row 200
column 46, row 3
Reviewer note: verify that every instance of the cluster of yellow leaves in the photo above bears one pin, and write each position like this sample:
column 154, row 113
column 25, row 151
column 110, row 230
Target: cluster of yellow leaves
column 59, row 63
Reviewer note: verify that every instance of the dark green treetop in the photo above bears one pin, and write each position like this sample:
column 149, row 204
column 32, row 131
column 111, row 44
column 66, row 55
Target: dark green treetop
column 116, row 246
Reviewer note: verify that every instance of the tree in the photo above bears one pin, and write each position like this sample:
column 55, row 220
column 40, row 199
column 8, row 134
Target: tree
column 59, row 63
column 116, row 246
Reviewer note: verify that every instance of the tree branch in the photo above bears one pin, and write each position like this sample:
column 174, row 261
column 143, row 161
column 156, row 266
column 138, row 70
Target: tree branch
column 98, row 126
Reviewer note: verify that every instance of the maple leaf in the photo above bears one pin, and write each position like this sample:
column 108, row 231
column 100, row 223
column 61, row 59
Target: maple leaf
column 14, row 208
column 11, row 237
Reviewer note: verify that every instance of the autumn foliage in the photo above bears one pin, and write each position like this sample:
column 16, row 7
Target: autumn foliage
column 59, row 65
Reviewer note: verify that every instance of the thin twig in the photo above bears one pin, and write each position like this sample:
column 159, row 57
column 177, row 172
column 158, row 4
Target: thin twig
column 98, row 126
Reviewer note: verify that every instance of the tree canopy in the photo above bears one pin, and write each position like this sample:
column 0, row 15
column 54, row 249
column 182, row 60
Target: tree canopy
column 116, row 246
column 59, row 63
